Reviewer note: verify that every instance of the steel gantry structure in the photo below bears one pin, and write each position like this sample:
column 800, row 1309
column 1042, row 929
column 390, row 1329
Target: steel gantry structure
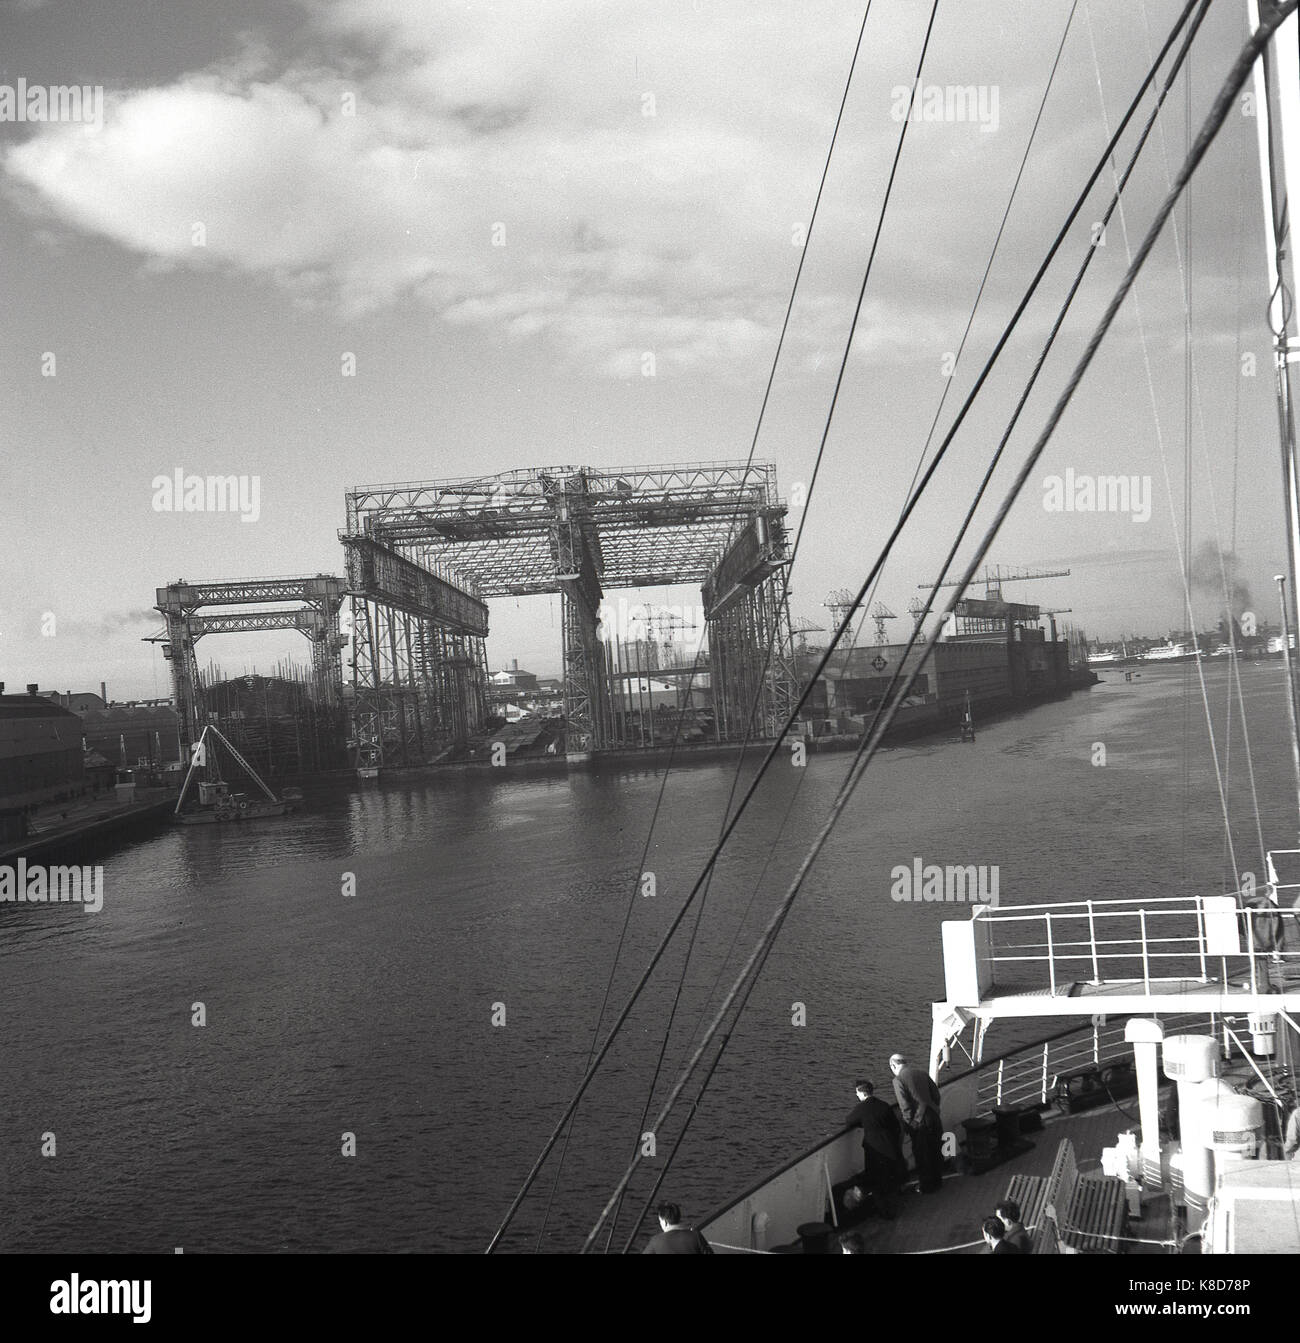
column 419, row 658
column 319, row 598
column 423, row 558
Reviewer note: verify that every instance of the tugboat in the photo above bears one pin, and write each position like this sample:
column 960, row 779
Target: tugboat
column 217, row 803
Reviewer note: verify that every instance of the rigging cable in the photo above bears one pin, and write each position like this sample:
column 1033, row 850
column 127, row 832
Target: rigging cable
column 1213, row 123
column 798, row 787
column 803, row 519
column 753, row 446
column 888, row 698
column 1234, row 679
column 1182, row 550
column 926, row 479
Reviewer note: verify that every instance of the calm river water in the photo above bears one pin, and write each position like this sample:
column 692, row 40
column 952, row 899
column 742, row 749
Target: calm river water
column 491, row 896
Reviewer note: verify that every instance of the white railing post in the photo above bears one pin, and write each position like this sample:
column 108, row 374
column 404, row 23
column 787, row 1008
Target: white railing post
column 1051, row 963
column 1200, row 936
column 1000, row 1063
column 1092, row 942
column 1096, row 1043
column 1146, row 964
column 1250, row 951
column 1046, row 1047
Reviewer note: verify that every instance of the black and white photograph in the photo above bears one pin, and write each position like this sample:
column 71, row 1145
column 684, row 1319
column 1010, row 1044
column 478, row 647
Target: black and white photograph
column 661, row 627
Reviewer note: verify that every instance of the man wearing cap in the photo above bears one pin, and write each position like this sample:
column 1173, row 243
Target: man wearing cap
column 918, row 1102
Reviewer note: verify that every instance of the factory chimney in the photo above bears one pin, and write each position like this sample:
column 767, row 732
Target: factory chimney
column 103, row 691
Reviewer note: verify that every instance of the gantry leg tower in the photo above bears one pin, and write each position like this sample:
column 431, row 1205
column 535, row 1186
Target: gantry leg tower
column 751, row 646
column 319, row 598
column 418, row 666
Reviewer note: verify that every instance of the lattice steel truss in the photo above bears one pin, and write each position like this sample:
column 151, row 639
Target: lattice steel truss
column 317, row 618
column 577, row 531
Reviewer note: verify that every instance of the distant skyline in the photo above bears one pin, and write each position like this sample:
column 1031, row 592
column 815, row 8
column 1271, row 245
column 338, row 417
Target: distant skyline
column 328, row 244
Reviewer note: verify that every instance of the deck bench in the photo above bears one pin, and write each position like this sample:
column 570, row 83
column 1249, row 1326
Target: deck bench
column 1096, row 1216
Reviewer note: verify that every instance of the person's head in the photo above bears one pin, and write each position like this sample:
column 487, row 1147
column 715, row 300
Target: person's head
column 897, row 1063
column 993, row 1231
column 865, row 1090
column 1008, row 1210
column 852, row 1243
column 669, row 1214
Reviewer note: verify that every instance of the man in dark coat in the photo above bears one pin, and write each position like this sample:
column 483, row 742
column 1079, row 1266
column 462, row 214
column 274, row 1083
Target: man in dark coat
column 882, row 1148
column 675, row 1237
column 918, row 1103
column 995, row 1237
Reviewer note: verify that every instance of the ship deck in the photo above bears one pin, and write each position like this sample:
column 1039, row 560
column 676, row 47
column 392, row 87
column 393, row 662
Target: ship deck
column 949, row 1220
column 1273, row 990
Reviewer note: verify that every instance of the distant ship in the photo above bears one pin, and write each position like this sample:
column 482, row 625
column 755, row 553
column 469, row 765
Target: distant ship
column 1172, row 652
column 1113, row 657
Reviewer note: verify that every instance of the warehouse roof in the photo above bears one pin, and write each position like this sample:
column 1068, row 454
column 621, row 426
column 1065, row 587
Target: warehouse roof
column 32, row 706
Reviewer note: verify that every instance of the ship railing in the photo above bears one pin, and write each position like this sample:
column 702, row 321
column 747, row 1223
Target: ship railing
column 1151, row 941
column 1026, row 1077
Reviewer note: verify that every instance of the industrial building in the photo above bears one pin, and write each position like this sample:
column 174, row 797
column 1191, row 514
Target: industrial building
column 139, row 732
column 41, row 757
column 512, row 680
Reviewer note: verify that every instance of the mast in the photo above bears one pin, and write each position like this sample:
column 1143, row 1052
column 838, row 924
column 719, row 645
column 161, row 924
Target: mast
column 1277, row 104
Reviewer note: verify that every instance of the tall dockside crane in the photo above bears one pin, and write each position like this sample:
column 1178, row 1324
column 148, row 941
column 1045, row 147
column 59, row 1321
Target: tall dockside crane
column 881, row 613
column 995, row 575
column 839, row 602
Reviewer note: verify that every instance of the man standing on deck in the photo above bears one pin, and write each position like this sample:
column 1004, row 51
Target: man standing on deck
column 918, row 1101
column 882, row 1148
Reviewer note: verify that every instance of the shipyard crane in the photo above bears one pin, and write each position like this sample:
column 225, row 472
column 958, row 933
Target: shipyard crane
column 802, row 627
column 839, row 602
column 881, row 613
column 662, row 623
column 916, row 609
column 995, row 575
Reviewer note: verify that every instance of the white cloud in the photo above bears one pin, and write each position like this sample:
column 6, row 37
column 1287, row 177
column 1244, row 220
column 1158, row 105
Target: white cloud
column 525, row 122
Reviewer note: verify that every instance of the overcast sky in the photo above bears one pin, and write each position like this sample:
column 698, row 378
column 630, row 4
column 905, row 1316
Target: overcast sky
column 499, row 208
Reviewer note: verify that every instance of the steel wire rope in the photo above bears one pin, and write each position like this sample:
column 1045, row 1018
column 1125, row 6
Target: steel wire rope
column 1039, row 364
column 1182, row 550
column 1234, row 677
column 767, row 392
column 838, row 633
column 1213, row 123
column 803, row 519
column 934, row 422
